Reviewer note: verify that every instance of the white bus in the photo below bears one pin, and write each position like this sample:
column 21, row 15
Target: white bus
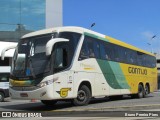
column 5, row 68
column 73, row 63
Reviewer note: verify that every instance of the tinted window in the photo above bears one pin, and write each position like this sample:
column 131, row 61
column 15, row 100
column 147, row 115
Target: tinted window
column 131, row 57
column 73, row 37
column 109, row 48
column 103, row 53
column 139, row 58
column 4, row 62
column 122, row 54
column 84, row 53
column 90, row 48
column 61, row 58
column 4, row 77
column 68, row 47
column 94, row 48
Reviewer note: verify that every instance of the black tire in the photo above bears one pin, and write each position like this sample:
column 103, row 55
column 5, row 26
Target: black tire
column 141, row 91
column 146, row 90
column 49, row 102
column 117, row 97
column 83, row 97
column 1, row 97
column 133, row 96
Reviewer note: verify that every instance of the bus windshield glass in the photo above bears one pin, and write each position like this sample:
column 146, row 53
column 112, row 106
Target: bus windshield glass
column 30, row 59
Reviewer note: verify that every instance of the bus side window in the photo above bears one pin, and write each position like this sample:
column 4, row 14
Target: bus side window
column 4, row 77
column 139, row 58
column 91, row 53
column 110, row 51
column 102, row 51
column 90, row 45
column 90, row 49
column 93, row 47
column 84, row 51
column 96, row 49
column 4, row 62
column 116, row 52
column 122, row 54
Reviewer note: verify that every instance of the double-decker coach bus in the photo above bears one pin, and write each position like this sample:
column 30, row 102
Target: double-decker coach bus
column 73, row 63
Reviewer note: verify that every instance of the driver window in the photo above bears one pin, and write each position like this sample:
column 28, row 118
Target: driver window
column 61, row 58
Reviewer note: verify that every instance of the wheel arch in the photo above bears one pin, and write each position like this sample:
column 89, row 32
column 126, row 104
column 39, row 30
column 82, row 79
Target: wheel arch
column 87, row 83
column 141, row 83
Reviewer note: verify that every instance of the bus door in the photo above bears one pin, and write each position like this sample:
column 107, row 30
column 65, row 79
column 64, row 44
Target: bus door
column 61, row 63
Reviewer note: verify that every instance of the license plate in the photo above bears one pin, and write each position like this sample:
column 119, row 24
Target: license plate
column 24, row 95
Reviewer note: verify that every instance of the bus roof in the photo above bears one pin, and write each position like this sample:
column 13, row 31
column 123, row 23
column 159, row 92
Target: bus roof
column 61, row 29
column 82, row 31
column 120, row 43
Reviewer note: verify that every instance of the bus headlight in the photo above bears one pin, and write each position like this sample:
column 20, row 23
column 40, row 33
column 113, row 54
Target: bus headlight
column 42, row 84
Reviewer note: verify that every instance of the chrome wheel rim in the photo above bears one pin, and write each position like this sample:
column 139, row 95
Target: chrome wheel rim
column 81, row 95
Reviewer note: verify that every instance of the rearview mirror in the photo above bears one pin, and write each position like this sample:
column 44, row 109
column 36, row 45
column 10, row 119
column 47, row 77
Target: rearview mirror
column 50, row 44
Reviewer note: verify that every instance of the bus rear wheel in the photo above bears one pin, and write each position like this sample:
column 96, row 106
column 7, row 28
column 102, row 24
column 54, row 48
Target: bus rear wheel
column 141, row 91
column 146, row 90
column 83, row 97
column 49, row 102
column 1, row 97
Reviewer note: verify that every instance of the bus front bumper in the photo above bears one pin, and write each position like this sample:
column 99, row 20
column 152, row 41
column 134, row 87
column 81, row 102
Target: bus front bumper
column 44, row 93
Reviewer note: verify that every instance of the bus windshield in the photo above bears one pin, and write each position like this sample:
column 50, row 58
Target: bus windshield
column 30, row 58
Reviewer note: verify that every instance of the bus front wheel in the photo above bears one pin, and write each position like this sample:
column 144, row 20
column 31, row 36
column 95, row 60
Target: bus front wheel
column 49, row 102
column 83, row 97
column 1, row 97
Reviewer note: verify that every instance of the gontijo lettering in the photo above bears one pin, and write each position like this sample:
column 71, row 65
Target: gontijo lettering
column 135, row 70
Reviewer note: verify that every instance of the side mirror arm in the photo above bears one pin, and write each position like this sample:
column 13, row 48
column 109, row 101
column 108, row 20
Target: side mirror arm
column 50, row 44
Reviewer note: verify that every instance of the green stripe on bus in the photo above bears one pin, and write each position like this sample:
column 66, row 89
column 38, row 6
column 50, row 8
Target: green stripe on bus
column 108, row 74
column 113, row 74
column 94, row 36
column 120, row 77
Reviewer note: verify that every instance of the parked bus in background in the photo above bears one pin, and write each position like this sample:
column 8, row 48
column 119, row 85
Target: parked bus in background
column 74, row 63
column 5, row 67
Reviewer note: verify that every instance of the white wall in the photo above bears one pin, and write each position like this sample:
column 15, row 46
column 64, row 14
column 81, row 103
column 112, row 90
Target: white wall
column 54, row 13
